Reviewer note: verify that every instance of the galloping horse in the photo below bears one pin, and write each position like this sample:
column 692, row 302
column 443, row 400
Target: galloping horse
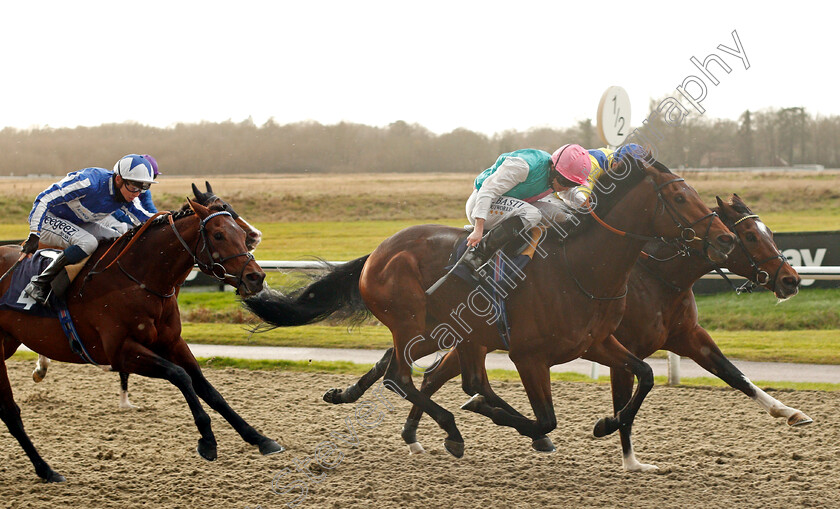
column 252, row 238
column 553, row 316
column 661, row 314
column 129, row 319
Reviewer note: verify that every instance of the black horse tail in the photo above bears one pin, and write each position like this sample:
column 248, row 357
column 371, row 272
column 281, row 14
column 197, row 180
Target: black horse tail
column 335, row 294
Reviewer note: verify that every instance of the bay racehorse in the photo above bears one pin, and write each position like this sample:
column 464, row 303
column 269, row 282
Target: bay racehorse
column 128, row 317
column 209, row 199
column 661, row 314
column 564, row 305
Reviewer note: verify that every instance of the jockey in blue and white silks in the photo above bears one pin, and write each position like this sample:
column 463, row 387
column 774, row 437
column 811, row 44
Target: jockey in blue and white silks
column 74, row 213
column 121, row 221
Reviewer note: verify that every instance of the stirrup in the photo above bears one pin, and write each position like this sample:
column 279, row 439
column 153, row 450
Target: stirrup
column 37, row 293
column 474, row 259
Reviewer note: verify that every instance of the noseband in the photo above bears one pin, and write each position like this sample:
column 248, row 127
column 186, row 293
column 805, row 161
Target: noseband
column 762, row 277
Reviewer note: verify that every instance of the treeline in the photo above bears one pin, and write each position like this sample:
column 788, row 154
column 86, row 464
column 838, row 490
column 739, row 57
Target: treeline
column 778, row 137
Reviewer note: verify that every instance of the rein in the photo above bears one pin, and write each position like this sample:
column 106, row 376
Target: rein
column 213, row 268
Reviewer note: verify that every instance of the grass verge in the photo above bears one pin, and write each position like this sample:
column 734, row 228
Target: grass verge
column 799, row 346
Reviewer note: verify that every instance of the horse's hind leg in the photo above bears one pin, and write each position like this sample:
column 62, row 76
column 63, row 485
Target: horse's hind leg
column 41, row 366
column 10, row 414
column 353, row 392
column 136, row 358
column 181, row 355
column 125, row 404
column 476, row 384
column 701, row 348
column 536, row 379
column 613, row 354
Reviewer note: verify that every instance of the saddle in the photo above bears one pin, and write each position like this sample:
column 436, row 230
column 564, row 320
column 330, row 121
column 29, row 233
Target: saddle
column 16, row 299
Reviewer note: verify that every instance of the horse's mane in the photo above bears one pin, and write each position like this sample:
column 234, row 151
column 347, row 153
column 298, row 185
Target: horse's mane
column 163, row 219
column 611, row 187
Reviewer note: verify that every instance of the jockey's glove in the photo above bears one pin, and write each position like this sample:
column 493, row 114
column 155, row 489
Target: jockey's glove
column 31, row 244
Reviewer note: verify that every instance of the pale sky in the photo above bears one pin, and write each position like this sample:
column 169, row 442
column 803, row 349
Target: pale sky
column 482, row 65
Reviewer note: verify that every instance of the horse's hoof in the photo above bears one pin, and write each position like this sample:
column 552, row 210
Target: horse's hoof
column 454, row 448
column 640, row 467
column 603, row 428
column 474, row 403
column 206, row 450
column 38, row 377
column 799, row 419
column 269, row 446
column 543, row 444
column 416, row 448
column 333, row 396
column 53, row 476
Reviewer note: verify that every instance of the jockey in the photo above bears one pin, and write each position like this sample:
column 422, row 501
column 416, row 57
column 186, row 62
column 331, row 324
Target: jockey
column 504, row 194
column 601, row 159
column 120, row 220
column 70, row 214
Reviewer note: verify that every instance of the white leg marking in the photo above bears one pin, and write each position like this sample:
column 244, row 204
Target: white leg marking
column 41, row 366
column 416, row 448
column 631, row 464
column 125, row 404
column 775, row 407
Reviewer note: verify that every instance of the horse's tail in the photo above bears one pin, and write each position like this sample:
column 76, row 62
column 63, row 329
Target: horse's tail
column 334, row 294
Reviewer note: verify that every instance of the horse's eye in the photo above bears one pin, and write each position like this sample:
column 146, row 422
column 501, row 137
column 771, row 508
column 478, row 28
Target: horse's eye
column 751, row 237
column 218, row 236
column 679, row 198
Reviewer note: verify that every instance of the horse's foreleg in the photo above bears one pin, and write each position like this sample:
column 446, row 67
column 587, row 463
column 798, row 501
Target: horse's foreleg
column 622, row 390
column 125, row 404
column 41, row 366
column 355, row 391
column 701, row 348
column 10, row 414
column 183, row 357
column 136, row 358
column 613, row 354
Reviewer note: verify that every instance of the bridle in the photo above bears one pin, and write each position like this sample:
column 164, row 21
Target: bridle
column 687, row 233
column 213, row 267
column 762, row 277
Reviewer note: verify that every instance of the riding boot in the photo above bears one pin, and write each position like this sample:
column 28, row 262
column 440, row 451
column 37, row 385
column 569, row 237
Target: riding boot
column 39, row 287
column 494, row 240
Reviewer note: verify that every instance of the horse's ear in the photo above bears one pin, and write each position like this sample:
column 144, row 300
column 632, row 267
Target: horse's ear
column 736, row 200
column 209, row 189
column 719, row 201
column 197, row 193
column 199, row 209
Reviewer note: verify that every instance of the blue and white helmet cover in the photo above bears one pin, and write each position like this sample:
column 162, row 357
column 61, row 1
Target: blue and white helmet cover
column 135, row 167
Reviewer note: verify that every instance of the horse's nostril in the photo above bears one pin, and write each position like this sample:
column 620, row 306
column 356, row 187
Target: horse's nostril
column 790, row 281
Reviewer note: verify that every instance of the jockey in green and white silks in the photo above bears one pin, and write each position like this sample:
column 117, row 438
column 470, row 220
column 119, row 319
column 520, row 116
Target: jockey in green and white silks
column 504, row 194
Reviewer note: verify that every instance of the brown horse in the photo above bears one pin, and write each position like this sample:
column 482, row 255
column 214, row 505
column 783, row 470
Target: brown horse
column 661, row 314
column 552, row 314
column 129, row 320
column 209, row 199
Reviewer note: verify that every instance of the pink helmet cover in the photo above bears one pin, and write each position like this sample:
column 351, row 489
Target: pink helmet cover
column 573, row 162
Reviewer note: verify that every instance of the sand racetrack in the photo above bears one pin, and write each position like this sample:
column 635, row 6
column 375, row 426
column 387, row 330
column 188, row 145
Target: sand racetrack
column 714, row 447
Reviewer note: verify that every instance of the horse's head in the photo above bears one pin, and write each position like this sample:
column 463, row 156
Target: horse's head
column 758, row 258
column 208, row 199
column 221, row 250
column 681, row 214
